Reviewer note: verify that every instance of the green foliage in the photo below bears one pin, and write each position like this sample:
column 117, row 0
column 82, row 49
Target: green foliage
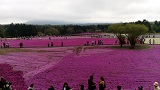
column 118, row 30
column 156, row 28
column 70, row 30
column 2, row 32
column 40, row 34
column 115, row 28
column 20, row 30
column 146, row 23
column 14, row 30
column 51, row 31
column 132, row 31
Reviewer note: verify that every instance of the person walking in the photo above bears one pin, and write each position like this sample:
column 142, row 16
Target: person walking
column 61, row 44
column 51, row 44
column 102, row 84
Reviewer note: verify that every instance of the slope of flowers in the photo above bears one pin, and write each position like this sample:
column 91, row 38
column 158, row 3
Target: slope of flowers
column 54, row 66
column 13, row 76
column 128, row 68
column 29, row 64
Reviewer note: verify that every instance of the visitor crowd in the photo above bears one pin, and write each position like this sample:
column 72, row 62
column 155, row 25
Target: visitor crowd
column 92, row 85
column 6, row 85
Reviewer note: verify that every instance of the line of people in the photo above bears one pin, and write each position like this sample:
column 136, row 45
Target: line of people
column 100, row 42
column 52, row 44
column 6, row 85
column 91, row 85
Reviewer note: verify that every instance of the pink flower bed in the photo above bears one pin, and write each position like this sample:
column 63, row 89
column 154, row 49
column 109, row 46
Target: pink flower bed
column 54, row 66
column 70, row 41
column 128, row 68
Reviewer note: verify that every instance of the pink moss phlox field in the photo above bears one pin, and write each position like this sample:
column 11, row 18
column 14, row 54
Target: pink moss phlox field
column 43, row 41
column 31, row 63
column 128, row 68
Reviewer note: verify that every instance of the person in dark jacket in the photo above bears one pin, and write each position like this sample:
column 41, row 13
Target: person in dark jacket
column 66, row 87
column 91, row 84
column 51, row 44
column 81, row 87
column 61, row 44
column 2, row 82
column 21, row 45
column 51, row 88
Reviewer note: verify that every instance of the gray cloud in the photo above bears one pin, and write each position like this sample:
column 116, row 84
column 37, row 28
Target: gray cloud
column 78, row 10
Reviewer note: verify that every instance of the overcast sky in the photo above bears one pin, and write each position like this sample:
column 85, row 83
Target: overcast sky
column 79, row 11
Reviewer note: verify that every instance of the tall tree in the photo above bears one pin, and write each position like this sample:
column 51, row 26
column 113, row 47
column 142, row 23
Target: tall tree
column 119, row 31
column 133, row 31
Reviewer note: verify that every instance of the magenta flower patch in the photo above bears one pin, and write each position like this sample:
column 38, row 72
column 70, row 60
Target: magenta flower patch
column 54, row 66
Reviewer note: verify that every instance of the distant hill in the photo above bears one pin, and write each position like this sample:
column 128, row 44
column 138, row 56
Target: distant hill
column 41, row 22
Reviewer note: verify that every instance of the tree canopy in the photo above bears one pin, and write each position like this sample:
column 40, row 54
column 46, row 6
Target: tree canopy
column 20, row 30
column 52, row 31
column 131, row 31
column 118, row 30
